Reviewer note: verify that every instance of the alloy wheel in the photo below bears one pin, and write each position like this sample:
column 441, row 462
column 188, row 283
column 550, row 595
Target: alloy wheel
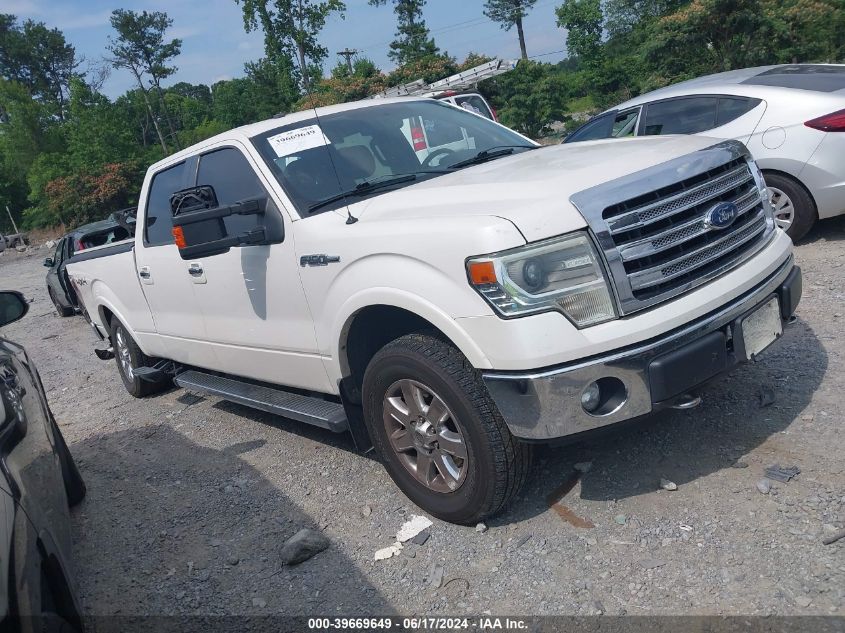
column 783, row 208
column 123, row 354
column 425, row 435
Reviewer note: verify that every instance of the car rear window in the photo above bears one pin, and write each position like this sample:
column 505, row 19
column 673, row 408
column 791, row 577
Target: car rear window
column 816, row 77
column 731, row 108
column 685, row 115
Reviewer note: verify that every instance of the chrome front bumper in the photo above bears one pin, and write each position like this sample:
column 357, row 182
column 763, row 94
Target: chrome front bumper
column 546, row 404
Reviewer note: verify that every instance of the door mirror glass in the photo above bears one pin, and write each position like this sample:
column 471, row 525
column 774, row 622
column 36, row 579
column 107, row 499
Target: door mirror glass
column 12, row 306
column 49, row 262
column 199, row 229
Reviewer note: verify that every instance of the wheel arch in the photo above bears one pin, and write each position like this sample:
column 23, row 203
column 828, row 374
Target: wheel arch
column 370, row 327
column 796, row 180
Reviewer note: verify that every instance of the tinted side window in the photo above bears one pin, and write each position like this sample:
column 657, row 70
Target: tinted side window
column 233, row 179
column 681, row 116
column 625, row 123
column 731, row 108
column 595, row 129
column 159, row 223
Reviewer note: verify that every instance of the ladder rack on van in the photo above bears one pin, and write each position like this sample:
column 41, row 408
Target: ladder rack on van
column 459, row 81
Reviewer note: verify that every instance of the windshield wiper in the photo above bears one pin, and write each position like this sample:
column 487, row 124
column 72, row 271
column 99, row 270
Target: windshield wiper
column 363, row 189
column 489, row 154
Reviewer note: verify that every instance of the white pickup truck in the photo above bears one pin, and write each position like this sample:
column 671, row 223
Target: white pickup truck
column 451, row 304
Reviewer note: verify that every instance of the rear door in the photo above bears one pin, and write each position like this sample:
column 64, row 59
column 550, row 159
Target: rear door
column 165, row 277
column 256, row 315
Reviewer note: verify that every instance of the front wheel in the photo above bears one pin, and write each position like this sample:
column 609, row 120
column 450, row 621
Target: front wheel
column 795, row 211
column 441, row 438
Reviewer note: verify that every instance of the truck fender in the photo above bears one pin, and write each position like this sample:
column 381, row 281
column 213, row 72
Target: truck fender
column 105, row 299
column 337, row 365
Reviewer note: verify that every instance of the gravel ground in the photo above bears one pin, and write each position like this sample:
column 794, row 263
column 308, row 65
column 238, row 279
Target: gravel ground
column 190, row 499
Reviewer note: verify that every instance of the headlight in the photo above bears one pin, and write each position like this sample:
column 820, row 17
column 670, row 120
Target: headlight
column 564, row 274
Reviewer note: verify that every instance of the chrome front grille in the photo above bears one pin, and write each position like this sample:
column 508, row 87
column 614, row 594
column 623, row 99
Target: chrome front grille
column 651, row 225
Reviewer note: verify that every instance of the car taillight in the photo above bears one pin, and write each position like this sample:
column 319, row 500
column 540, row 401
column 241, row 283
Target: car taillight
column 418, row 138
column 833, row 122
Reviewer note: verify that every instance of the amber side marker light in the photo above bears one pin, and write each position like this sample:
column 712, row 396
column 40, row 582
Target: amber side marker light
column 482, row 273
column 179, row 237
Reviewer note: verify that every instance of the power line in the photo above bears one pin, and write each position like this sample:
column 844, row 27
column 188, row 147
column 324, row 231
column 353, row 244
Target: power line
column 547, row 54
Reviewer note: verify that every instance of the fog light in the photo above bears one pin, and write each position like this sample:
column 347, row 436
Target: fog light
column 591, row 397
column 604, row 396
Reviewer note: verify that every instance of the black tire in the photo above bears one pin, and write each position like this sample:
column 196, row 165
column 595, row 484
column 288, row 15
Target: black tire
column 497, row 464
column 134, row 385
column 805, row 213
column 61, row 310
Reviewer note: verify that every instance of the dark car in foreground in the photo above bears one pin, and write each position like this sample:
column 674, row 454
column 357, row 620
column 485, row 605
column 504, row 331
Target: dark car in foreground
column 38, row 482
column 88, row 236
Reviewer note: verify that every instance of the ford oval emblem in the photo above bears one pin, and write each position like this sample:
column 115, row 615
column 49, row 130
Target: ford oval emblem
column 721, row 216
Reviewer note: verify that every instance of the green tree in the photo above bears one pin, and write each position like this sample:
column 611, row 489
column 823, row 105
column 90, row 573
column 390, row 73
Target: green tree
column 707, row 36
column 140, row 47
column 509, row 14
column 39, row 59
column 291, row 27
column 583, row 21
column 412, row 41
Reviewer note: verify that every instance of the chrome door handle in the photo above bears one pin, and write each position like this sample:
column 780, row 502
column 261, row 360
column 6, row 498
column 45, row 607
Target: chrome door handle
column 145, row 274
column 195, row 269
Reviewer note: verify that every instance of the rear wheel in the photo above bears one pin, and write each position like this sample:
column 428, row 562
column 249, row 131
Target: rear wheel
column 441, row 438
column 795, row 211
column 129, row 357
column 61, row 310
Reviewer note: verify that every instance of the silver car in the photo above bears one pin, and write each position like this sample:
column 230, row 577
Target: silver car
column 791, row 117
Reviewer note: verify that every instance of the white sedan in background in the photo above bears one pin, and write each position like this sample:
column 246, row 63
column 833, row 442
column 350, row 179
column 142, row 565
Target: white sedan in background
column 791, row 117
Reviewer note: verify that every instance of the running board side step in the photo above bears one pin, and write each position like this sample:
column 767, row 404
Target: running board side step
column 323, row 413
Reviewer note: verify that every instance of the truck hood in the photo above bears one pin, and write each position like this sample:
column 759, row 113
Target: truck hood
column 531, row 189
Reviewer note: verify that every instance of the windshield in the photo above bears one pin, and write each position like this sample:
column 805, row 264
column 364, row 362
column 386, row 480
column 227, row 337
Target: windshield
column 316, row 161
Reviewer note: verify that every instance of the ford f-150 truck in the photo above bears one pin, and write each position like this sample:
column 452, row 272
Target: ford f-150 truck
column 440, row 286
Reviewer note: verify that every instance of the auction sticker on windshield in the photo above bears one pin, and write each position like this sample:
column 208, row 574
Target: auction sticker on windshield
column 298, row 140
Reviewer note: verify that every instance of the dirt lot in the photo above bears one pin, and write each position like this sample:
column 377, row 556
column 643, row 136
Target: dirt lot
column 190, row 499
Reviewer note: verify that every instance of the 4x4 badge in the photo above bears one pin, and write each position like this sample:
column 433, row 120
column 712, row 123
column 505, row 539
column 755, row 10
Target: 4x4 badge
column 318, row 260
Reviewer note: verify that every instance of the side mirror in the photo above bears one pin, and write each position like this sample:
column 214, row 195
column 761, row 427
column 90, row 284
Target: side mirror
column 199, row 229
column 49, row 262
column 12, row 306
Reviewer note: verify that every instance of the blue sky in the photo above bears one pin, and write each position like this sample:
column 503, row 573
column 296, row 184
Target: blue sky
column 215, row 46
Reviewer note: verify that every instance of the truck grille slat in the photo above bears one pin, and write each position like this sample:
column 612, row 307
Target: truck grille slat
column 680, row 202
column 660, row 274
column 685, row 232
column 660, row 243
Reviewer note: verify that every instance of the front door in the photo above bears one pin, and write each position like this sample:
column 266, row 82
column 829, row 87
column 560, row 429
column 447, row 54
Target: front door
column 254, row 307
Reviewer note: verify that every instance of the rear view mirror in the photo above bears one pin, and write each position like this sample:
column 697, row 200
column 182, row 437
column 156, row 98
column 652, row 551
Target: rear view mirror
column 49, row 262
column 199, row 229
column 12, row 306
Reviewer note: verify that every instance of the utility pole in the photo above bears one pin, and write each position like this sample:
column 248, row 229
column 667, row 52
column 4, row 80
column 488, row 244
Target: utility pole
column 348, row 53
column 14, row 226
